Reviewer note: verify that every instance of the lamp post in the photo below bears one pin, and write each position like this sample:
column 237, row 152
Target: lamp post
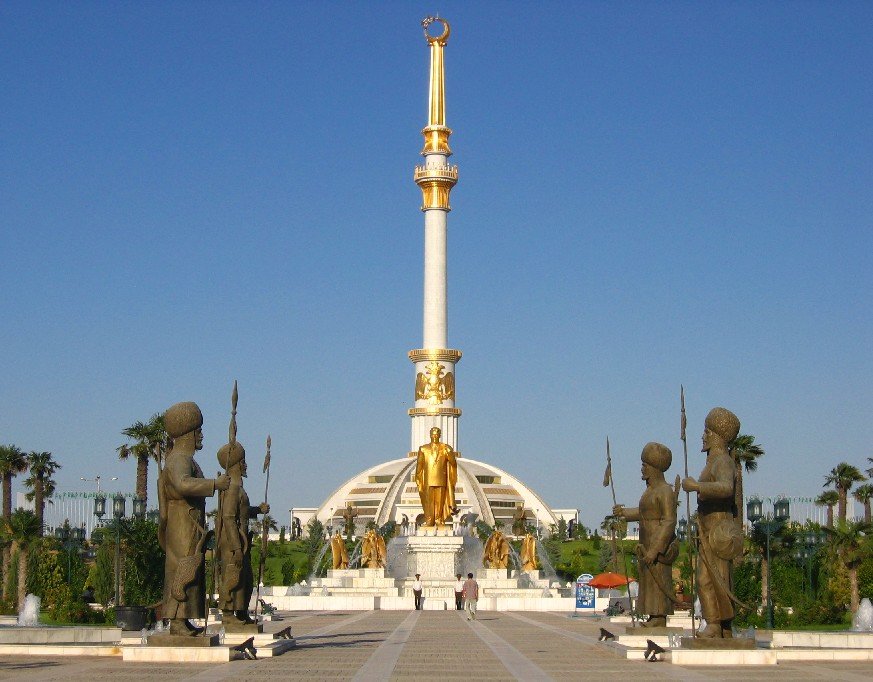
column 70, row 538
column 769, row 525
column 119, row 508
column 97, row 480
column 812, row 541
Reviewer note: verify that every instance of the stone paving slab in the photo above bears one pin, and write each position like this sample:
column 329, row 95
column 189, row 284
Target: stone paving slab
column 427, row 645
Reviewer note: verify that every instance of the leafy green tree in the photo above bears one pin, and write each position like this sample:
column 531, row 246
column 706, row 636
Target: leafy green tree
column 864, row 493
column 745, row 452
column 22, row 530
column 102, row 575
column 561, row 529
column 847, row 539
column 829, row 499
column 314, row 539
column 143, row 563
column 12, row 463
column 843, row 477
column 42, row 467
column 147, row 441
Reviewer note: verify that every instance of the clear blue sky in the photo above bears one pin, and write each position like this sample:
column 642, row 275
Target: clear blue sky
column 650, row 194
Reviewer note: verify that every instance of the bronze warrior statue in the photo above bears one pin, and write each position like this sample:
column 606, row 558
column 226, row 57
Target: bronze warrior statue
column 720, row 540
column 234, row 544
column 658, row 546
column 182, row 493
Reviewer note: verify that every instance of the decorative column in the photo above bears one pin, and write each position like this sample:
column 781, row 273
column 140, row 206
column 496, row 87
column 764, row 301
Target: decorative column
column 435, row 362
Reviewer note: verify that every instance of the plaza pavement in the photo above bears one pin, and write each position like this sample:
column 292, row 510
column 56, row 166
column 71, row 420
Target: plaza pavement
column 426, row 645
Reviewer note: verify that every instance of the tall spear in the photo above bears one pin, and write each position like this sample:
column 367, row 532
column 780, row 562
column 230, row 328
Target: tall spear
column 265, row 531
column 688, row 511
column 607, row 481
column 231, row 439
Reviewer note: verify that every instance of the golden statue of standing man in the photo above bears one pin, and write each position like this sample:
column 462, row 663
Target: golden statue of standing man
column 436, row 473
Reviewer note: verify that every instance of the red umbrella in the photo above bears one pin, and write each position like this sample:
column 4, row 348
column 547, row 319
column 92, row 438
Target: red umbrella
column 607, row 581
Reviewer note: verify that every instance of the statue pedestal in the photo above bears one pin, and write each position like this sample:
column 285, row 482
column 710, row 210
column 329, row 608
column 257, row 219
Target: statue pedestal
column 183, row 640
column 242, row 628
column 434, row 556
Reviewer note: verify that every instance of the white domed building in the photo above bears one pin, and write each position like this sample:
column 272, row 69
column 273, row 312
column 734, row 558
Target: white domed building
column 387, row 492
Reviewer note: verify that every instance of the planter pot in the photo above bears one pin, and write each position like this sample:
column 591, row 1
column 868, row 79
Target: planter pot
column 134, row 617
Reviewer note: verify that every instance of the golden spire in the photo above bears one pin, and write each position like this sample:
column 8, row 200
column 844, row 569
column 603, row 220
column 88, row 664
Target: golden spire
column 436, row 178
column 436, row 134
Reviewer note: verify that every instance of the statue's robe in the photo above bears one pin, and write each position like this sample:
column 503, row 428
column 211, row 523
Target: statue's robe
column 436, row 473
column 657, row 518
column 715, row 505
column 529, row 560
column 182, row 493
column 339, row 554
column 234, row 549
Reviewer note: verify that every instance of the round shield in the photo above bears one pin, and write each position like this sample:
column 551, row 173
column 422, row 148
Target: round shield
column 726, row 540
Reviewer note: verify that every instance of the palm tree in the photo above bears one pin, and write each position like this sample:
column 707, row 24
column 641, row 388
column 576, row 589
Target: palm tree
column 12, row 463
column 828, row 499
column 150, row 440
column 21, row 529
column 843, row 477
column 847, row 539
column 40, row 482
column 864, row 493
column 745, row 452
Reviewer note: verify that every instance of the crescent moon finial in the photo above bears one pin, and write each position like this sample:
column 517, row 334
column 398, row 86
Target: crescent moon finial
column 441, row 39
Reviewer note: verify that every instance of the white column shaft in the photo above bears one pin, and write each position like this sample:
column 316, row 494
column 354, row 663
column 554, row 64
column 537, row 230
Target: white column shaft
column 435, row 289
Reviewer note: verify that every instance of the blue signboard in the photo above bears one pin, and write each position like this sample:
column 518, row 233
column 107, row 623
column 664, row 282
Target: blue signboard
column 584, row 592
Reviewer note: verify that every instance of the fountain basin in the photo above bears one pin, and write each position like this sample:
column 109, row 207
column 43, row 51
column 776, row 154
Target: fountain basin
column 73, row 634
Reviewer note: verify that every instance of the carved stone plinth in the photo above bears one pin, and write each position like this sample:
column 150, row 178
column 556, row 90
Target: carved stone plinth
column 434, row 556
column 183, row 640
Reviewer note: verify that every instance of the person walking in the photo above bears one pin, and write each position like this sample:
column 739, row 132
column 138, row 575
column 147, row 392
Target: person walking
column 471, row 596
column 459, row 593
column 417, row 589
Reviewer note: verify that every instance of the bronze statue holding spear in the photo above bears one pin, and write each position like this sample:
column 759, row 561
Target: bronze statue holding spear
column 234, row 541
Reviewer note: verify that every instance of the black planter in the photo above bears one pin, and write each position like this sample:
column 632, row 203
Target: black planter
column 134, row 617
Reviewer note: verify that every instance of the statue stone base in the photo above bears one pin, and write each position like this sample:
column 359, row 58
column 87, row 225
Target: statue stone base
column 248, row 628
column 718, row 643
column 183, row 640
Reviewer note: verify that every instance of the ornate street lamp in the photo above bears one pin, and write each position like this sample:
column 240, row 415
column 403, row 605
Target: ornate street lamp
column 119, row 507
column 139, row 509
column 769, row 525
column 683, row 530
column 153, row 515
column 100, row 507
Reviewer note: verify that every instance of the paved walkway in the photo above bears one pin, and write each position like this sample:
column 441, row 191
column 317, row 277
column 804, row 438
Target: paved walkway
column 426, row 645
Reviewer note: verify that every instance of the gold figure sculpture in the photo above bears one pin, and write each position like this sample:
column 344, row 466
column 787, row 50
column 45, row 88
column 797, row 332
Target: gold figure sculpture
column 338, row 551
column 720, row 540
column 496, row 551
column 434, row 384
column 182, row 493
column 374, row 554
column 658, row 546
column 436, row 473
column 529, row 561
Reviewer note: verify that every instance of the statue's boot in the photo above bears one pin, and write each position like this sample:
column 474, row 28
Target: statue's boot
column 727, row 630
column 655, row 622
column 244, row 617
column 181, row 626
column 711, row 631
